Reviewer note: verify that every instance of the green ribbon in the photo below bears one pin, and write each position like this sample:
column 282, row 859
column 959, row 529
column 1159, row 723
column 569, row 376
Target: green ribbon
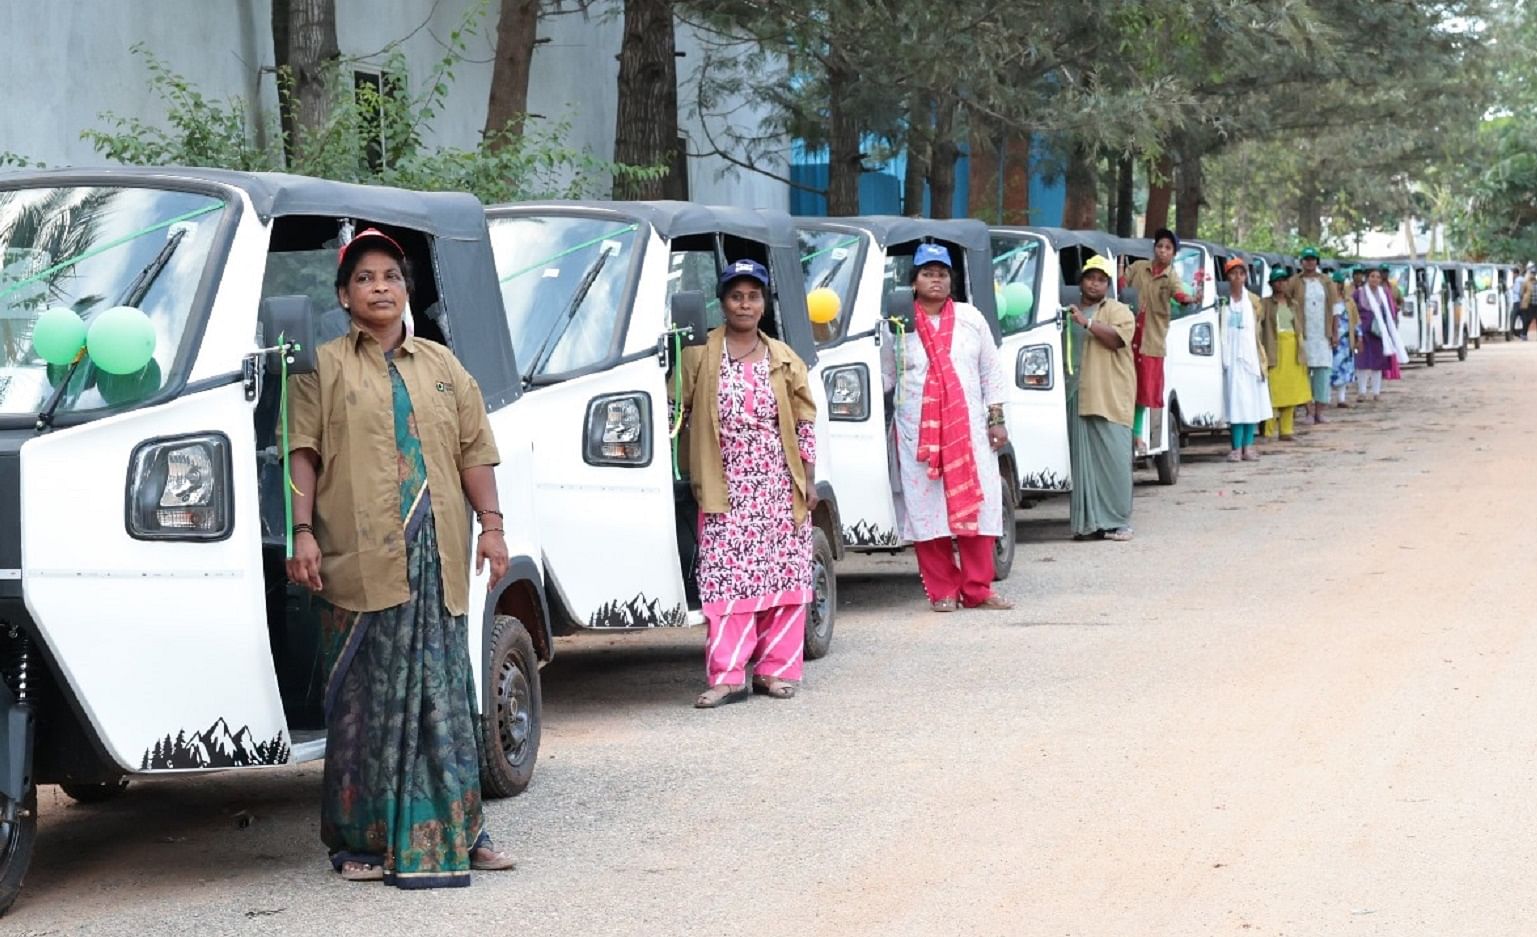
column 1021, row 249
column 899, row 352
column 1068, row 341
column 676, row 429
column 827, row 250
column 115, row 242
column 569, row 251
column 288, row 478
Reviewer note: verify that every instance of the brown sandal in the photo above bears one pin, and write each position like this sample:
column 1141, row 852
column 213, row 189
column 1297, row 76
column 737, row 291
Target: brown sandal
column 720, row 696
column 773, row 686
column 361, row 872
column 498, row 861
column 995, row 602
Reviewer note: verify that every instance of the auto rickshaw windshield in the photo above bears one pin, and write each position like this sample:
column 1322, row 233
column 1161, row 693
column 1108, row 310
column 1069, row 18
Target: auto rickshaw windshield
column 1190, row 261
column 1016, row 260
column 80, row 251
column 565, row 283
column 831, row 260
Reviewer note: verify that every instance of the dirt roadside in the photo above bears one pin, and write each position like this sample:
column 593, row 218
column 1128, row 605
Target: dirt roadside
column 1300, row 702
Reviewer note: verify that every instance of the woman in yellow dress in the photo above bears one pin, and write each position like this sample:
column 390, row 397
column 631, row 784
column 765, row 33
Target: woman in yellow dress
column 1281, row 331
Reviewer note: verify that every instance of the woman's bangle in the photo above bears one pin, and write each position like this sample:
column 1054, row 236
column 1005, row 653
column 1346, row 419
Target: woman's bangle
column 481, row 514
column 491, row 530
column 304, row 529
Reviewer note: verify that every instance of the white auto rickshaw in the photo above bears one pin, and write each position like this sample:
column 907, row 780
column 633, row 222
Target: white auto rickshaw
column 866, row 261
column 601, row 298
column 1449, row 325
column 1487, row 295
column 173, row 643
column 1407, row 279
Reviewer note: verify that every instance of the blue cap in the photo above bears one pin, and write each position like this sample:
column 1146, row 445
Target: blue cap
column 742, row 268
column 931, row 254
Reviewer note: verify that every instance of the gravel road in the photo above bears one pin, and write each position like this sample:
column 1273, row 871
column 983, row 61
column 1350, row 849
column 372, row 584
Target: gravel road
column 1300, row 702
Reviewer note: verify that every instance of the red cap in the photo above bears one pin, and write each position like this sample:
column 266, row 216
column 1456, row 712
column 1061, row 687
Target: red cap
column 377, row 238
column 1234, row 263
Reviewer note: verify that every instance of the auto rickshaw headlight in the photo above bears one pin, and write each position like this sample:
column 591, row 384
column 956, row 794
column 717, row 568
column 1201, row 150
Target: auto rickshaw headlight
column 618, row 430
column 1201, row 340
column 848, row 392
column 180, row 489
column 1032, row 369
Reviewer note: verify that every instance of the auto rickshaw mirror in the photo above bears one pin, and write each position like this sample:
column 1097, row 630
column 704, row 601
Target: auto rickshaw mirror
column 899, row 307
column 690, row 317
column 291, row 319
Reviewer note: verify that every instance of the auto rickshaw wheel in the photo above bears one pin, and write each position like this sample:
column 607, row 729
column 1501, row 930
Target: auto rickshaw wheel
column 1430, row 359
column 1167, row 461
column 16, row 841
column 1478, row 342
column 824, row 597
column 513, row 713
column 1004, row 546
column 1462, row 350
column 93, row 793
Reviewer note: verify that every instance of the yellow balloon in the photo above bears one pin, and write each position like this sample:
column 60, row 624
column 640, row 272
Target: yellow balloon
column 823, row 305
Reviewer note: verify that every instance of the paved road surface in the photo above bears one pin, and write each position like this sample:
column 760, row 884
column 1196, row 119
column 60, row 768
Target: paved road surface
column 1299, row 703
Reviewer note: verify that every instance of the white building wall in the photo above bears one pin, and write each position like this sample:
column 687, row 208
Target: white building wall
column 63, row 69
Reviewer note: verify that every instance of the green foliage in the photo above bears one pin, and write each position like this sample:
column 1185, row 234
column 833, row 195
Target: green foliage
column 369, row 136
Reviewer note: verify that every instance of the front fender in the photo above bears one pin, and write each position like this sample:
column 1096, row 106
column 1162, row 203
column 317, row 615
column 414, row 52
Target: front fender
column 834, row 526
column 520, row 592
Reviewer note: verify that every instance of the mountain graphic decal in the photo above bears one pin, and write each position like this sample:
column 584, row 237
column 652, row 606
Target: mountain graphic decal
column 215, row 747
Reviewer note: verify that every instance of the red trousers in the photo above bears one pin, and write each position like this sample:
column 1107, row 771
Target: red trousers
column 971, row 580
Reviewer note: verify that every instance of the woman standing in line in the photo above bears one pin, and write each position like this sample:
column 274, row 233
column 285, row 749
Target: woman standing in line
column 1101, row 401
column 1379, row 336
column 1347, row 325
column 949, row 422
column 751, row 460
column 1243, row 364
column 384, row 542
column 1280, row 330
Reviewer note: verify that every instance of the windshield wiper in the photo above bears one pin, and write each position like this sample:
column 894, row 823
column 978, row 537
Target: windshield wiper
column 563, row 321
column 132, row 296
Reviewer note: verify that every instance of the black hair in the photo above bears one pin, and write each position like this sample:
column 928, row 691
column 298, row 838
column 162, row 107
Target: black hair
column 912, row 276
column 1164, row 234
column 352, row 258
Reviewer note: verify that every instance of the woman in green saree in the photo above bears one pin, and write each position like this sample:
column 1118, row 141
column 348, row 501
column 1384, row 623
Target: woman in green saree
column 1101, row 398
column 389, row 437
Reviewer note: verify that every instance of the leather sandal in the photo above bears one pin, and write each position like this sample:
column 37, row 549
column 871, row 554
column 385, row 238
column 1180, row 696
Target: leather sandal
column 361, row 872
column 720, row 696
column 995, row 602
column 773, row 686
column 497, row 861
column 943, row 605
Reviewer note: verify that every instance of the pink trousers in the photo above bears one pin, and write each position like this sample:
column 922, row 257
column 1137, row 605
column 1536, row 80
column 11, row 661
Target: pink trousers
column 970, row 580
column 765, row 632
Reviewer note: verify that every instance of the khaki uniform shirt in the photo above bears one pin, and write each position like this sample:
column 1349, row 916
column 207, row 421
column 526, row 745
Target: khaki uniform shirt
column 1107, row 377
column 345, row 412
column 701, row 400
column 1155, row 292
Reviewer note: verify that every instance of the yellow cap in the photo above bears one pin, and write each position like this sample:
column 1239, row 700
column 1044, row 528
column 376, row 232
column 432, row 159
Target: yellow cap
column 1101, row 264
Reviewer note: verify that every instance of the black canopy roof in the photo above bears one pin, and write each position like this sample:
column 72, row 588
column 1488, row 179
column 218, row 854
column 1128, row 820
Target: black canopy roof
column 454, row 215
column 677, row 219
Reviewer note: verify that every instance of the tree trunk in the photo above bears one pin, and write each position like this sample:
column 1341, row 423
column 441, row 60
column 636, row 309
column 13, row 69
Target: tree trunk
column 1126, row 187
column 844, row 158
column 1110, row 176
column 1160, row 182
column 280, row 64
column 1081, row 207
column 517, row 28
column 915, row 177
column 943, row 156
column 1309, row 213
column 1188, row 196
column 312, row 53
column 646, row 129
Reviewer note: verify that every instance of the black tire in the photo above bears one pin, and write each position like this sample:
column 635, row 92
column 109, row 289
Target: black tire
column 1478, row 342
column 1430, row 359
column 512, row 718
column 1167, row 461
column 1462, row 350
column 93, row 793
column 823, row 612
column 16, row 842
column 1005, row 545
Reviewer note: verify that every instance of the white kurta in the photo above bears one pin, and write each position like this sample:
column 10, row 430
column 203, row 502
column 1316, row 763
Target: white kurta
column 920, row 500
column 1243, row 380
column 1319, row 353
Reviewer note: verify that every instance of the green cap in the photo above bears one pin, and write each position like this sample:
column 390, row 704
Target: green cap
column 1279, row 273
column 1340, row 277
column 1310, row 253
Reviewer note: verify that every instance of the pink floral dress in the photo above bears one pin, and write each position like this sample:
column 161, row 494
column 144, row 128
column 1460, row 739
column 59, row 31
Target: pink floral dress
column 755, row 549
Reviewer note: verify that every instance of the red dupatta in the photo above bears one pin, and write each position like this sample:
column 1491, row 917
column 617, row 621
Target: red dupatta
column 944, row 424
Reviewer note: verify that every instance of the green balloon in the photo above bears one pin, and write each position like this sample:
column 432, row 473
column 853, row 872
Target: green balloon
column 118, row 389
column 121, row 340
column 58, row 335
column 1001, row 300
column 1020, row 298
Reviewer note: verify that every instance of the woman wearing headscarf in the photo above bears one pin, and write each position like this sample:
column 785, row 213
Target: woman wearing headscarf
column 949, row 387
column 1101, row 397
column 1379, row 335
column 1243, row 363
column 1281, row 328
column 1347, row 325
column 384, row 544
column 751, row 456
